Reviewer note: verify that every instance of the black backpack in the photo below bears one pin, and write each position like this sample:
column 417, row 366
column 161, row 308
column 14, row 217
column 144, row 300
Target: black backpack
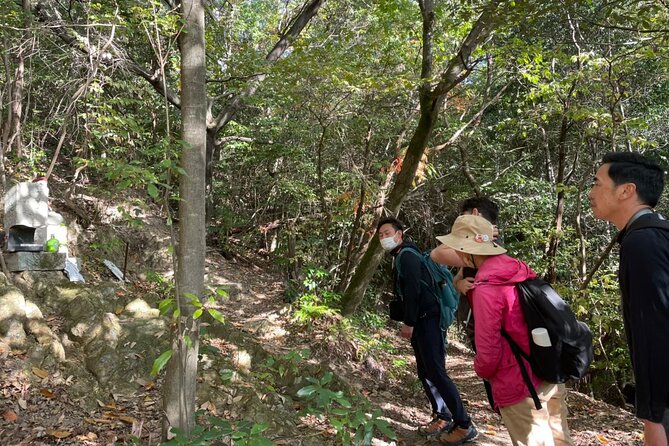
column 570, row 353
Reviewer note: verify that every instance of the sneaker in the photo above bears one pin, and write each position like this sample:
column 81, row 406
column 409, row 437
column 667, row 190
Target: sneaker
column 458, row 435
column 436, row 426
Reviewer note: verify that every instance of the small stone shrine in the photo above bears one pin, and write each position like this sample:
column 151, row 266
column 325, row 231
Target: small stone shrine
column 29, row 223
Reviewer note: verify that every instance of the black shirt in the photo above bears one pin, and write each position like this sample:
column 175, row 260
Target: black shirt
column 644, row 286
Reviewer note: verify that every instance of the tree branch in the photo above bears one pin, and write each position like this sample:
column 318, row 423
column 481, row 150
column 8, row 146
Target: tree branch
column 307, row 12
column 47, row 14
column 457, row 68
column 474, row 119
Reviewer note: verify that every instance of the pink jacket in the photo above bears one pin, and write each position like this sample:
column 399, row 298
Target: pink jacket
column 495, row 304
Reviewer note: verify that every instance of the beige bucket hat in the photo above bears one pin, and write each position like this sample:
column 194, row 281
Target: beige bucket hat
column 473, row 235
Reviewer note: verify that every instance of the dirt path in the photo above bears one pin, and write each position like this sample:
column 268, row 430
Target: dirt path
column 260, row 303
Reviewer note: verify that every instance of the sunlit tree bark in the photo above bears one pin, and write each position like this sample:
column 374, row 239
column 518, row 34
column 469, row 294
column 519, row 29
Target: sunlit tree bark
column 180, row 381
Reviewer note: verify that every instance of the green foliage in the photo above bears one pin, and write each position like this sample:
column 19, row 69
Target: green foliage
column 315, row 303
column 160, row 362
column 164, row 286
column 239, row 433
column 277, row 373
column 286, row 363
column 399, row 367
column 599, row 307
column 349, row 416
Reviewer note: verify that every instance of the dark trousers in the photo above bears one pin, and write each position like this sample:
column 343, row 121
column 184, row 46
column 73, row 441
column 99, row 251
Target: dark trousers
column 428, row 346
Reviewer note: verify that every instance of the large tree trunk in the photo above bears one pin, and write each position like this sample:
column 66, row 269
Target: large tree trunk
column 430, row 104
column 180, row 380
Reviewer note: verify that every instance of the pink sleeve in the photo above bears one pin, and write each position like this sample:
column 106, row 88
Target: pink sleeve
column 488, row 305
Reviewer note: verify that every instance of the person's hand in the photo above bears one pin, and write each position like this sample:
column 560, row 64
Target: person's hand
column 654, row 434
column 406, row 331
column 464, row 285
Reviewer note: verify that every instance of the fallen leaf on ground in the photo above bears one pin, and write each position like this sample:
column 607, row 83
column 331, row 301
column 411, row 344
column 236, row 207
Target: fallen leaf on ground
column 58, row 434
column 91, row 436
column 41, row 373
column 10, row 416
column 127, row 419
column 46, row 393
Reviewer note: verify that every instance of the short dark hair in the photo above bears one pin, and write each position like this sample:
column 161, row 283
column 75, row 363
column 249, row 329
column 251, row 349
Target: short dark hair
column 390, row 221
column 486, row 207
column 644, row 172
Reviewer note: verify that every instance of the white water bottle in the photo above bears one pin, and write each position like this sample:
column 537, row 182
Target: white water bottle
column 540, row 337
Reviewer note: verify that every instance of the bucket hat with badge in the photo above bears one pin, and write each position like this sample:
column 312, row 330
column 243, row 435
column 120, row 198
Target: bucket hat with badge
column 472, row 234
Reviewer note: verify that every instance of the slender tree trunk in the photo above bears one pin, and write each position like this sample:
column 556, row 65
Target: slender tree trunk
column 582, row 260
column 209, row 175
column 293, row 260
column 431, row 101
column 16, row 107
column 321, row 186
column 599, row 262
column 180, row 380
column 554, row 239
column 359, row 212
column 466, row 171
column 560, row 184
column 4, row 130
column 16, row 90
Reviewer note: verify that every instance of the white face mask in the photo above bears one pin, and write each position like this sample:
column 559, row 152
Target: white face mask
column 389, row 243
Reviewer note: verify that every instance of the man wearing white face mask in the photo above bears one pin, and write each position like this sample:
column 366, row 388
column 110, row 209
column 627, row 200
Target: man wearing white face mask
column 421, row 324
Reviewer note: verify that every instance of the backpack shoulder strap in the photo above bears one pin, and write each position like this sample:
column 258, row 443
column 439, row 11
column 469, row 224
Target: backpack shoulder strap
column 520, row 354
column 421, row 257
column 659, row 222
column 397, row 266
column 399, row 254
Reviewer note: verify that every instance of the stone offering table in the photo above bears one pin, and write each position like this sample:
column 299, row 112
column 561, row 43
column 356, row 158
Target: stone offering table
column 29, row 223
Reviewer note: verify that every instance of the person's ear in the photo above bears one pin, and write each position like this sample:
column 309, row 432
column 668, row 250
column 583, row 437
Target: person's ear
column 628, row 190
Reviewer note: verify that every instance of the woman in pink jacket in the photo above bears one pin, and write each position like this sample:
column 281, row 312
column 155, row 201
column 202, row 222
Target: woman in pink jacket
column 496, row 306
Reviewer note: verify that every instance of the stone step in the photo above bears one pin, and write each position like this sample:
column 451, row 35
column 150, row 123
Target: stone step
column 35, row 261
